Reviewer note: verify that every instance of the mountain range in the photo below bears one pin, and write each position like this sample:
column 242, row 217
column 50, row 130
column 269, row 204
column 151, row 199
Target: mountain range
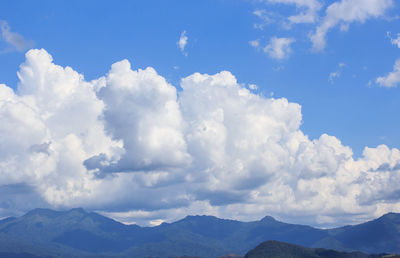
column 77, row 233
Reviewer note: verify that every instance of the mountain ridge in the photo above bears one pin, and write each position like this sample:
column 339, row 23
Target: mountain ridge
column 266, row 218
column 77, row 230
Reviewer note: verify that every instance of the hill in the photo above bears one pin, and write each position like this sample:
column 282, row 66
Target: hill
column 276, row 249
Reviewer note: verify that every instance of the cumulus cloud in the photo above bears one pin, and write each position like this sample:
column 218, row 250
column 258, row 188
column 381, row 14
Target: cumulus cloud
column 50, row 126
column 345, row 12
column 15, row 40
column 182, row 42
column 392, row 79
column 141, row 109
column 279, row 48
column 309, row 10
column 129, row 145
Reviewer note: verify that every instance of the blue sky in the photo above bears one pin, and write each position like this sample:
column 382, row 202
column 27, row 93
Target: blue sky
column 89, row 36
column 263, row 43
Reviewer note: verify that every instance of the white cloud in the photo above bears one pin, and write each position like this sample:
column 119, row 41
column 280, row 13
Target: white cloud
column 130, row 145
column 344, row 13
column 333, row 75
column 394, row 41
column 279, row 48
column 53, row 108
column 182, row 42
column 253, row 86
column 15, row 40
column 141, row 109
column 264, row 17
column 336, row 74
column 309, row 9
column 255, row 43
column 392, row 79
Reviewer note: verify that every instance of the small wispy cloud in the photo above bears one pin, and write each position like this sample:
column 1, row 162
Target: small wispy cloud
column 279, row 48
column 394, row 41
column 308, row 10
column 14, row 40
column 336, row 74
column 253, row 86
column 255, row 43
column 333, row 76
column 265, row 19
column 182, row 42
column 392, row 79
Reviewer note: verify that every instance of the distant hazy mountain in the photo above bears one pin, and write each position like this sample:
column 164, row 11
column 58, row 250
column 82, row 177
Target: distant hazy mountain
column 43, row 232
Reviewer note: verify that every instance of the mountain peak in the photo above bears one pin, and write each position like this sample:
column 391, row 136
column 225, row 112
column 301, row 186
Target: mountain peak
column 268, row 219
column 391, row 216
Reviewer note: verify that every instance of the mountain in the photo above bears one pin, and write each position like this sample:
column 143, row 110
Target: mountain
column 73, row 230
column 276, row 249
column 77, row 233
column 376, row 236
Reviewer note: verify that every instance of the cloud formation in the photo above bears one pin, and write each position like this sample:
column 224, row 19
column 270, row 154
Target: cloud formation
column 392, row 79
column 15, row 40
column 309, row 10
column 336, row 74
column 130, row 145
column 182, row 42
column 255, row 43
column 279, row 48
column 394, row 41
column 264, row 17
column 344, row 13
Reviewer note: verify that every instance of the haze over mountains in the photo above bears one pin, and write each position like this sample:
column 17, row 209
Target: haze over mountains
column 79, row 233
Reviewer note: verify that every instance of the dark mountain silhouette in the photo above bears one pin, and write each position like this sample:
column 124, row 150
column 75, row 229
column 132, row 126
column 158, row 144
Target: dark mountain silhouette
column 43, row 232
column 276, row 249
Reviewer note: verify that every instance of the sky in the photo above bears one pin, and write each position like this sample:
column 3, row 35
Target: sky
column 149, row 111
